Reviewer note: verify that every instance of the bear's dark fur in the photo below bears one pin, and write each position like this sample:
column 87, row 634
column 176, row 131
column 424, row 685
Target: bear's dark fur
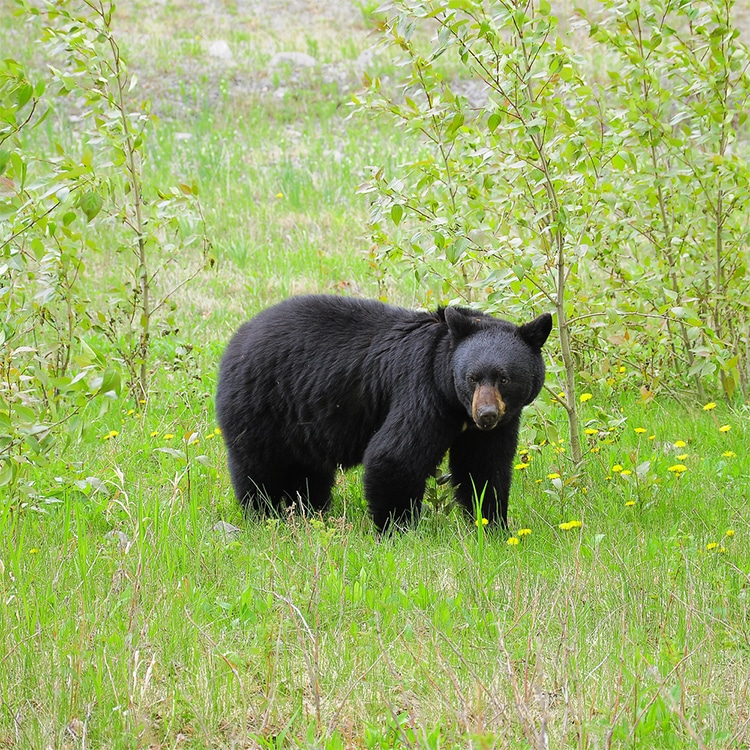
column 321, row 381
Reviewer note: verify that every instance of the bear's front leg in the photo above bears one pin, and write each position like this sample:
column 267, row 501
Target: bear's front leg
column 397, row 462
column 481, row 466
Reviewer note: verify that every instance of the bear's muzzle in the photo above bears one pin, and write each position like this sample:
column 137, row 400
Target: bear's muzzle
column 487, row 407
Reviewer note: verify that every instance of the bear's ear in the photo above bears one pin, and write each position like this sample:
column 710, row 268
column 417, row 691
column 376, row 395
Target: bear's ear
column 536, row 332
column 461, row 321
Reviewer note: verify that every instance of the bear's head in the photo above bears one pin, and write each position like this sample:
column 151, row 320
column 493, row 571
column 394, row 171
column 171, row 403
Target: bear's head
column 497, row 366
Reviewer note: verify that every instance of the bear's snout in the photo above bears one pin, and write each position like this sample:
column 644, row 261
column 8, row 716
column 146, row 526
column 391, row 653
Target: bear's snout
column 487, row 407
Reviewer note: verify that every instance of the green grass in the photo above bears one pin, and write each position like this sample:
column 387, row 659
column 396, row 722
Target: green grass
column 129, row 620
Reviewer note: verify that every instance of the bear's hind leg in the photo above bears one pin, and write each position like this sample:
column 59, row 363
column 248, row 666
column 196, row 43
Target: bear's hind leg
column 257, row 489
column 311, row 486
column 270, row 489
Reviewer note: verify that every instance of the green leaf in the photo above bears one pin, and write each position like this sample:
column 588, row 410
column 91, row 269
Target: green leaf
column 110, row 381
column 6, row 473
column 455, row 123
column 90, row 203
column 397, row 211
column 23, row 94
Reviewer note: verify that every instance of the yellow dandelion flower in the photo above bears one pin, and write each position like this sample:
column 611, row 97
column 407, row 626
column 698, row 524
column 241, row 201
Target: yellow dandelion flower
column 652, row 437
column 625, row 473
column 141, row 400
column 217, row 430
column 678, row 468
column 586, row 397
column 553, row 475
column 622, row 369
column 711, row 545
column 168, row 435
column 722, row 549
column 570, row 525
column 682, row 456
column 617, row 468
column 523, row 532
column 630, row 503
column 521, row 466
column 513, row 541
column 591, row 431
column 710, row 405
column 110, row 435
column 131, row 412
column 34, row 550
column 279, row 195
column 484, row 522
column 680, row 444
column 729, row 532
column 725, row 428
column 154, row 433
column 639, row 430
column 729, row 454
column 209, row 436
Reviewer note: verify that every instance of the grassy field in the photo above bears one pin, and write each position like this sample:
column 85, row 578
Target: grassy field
column 139, row 609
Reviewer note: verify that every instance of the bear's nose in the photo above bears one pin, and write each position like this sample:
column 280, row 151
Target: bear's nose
column 487, row 407
column 487, row 417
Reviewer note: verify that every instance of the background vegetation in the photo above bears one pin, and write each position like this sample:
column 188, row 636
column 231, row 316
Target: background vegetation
column 167, row 171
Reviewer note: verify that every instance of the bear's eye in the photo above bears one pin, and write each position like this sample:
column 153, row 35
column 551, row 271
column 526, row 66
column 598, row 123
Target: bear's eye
column 473, row 379
column 503, row 380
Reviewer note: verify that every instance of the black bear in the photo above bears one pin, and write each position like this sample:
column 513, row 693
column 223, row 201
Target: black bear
column 318, row 382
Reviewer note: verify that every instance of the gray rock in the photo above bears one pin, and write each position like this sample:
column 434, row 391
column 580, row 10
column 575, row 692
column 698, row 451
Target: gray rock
column 292, row 60
column 228, row 530
column 220, row 50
